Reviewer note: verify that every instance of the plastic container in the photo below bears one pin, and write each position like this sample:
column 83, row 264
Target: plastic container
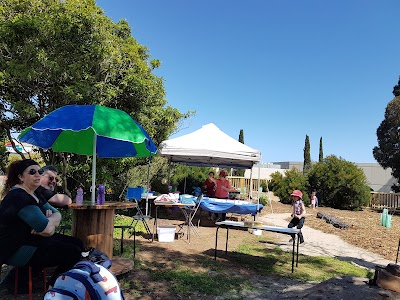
column 79, row 196
column 257, row 232
column 134, row 193
column 166, row 234
column 388, row 221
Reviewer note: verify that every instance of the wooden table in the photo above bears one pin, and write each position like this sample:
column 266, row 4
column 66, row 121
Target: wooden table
column 94, row 224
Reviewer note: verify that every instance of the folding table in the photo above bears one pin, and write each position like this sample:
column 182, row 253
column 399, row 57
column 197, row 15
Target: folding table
column 240, row 226
column 187, row 214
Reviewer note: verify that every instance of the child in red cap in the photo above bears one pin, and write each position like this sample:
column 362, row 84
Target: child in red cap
column 298, row 213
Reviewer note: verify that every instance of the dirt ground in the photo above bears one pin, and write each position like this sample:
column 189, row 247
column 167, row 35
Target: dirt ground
column 364, row 231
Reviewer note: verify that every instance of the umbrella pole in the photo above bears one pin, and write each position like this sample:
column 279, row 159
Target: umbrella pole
column 94, row 170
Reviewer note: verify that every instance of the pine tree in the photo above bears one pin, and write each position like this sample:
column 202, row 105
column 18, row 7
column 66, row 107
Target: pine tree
column 321, row 152
column 307, row 156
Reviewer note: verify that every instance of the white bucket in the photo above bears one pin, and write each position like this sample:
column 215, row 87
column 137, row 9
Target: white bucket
column 257, row 232
column 166, row 233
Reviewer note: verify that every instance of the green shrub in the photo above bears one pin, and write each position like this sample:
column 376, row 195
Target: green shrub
column 283, row 186
column 264, row 200
column 340, row 183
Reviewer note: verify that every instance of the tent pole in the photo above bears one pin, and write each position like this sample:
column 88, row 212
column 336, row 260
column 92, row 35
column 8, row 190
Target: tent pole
column 94, row 169
column 258, row 192
column 251, row 184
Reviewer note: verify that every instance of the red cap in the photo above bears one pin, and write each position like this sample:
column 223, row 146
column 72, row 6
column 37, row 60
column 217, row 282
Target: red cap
column 297, row 193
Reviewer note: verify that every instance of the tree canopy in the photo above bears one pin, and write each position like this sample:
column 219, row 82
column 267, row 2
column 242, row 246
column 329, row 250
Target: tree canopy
column 55, row 53
column 387, row 153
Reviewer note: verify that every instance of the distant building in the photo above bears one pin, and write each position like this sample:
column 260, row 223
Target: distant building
column 379, row 179
column 23, row 147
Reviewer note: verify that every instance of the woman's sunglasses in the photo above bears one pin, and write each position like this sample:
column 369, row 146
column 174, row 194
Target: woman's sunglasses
column 33, row 171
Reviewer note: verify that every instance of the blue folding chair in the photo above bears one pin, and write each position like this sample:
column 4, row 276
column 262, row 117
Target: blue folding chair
column 135, row 194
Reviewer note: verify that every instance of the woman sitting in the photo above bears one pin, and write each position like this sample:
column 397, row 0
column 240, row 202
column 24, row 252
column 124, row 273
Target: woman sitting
column 28, row 223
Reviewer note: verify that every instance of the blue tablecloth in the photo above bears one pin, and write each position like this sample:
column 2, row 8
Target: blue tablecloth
column 230, row 206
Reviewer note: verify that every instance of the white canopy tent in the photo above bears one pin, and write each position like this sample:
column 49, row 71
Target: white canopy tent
column 209, row 146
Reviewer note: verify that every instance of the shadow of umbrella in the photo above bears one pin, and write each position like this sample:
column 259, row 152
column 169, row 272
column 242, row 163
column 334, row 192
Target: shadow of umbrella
column 90, row 130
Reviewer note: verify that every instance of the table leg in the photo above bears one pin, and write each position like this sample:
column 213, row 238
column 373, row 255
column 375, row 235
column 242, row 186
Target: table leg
column 155, row 223
column 293, row 248
column 187, row 217
column 226, row 244
column 297, row 258
column 216, row 243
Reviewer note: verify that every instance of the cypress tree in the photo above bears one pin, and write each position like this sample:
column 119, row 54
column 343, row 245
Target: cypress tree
column 321, row 152
column 307, row 156
column 241, row 139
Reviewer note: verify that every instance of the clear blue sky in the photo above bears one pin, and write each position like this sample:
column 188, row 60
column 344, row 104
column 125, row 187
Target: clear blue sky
column 276, row 69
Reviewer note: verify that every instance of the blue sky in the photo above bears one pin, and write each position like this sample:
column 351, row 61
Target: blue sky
column 276, row 69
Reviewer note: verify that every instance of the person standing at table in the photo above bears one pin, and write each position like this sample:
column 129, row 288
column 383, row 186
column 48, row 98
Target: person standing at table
column 48, row 183
column 298, row 212
column 222, row 190
column 28, row 223
column 210, row 185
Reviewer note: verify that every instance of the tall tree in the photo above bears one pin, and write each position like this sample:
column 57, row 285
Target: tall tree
column 240, row 172
column 387, row 153
column 241, row 136
column 321, row 151
column 307, row 155
column 54, row 53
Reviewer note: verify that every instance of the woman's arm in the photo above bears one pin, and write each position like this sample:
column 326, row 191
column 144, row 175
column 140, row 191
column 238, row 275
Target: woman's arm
column 40, row 224
column 227, row 186
column 52, row 214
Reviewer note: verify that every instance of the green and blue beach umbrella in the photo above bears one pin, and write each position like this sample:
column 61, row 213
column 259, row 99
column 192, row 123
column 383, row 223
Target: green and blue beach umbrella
column 90, row 130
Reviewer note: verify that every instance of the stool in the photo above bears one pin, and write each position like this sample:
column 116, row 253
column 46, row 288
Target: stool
column 123, row 227
column 29, row 283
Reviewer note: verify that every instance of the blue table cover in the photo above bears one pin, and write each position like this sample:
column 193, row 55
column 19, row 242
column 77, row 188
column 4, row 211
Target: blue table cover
column 230, row 206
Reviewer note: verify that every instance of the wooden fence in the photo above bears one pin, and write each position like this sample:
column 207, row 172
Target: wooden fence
column 384, row 200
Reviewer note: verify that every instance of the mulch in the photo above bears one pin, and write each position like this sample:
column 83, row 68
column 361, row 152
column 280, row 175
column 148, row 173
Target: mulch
column 364, row 231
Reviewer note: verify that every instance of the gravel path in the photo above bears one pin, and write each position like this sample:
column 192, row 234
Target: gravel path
column 318, row 243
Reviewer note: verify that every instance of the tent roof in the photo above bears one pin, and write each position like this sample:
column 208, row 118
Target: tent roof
column 209, row 146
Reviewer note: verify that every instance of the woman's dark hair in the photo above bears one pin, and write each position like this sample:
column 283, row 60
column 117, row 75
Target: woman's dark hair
column 14, row 169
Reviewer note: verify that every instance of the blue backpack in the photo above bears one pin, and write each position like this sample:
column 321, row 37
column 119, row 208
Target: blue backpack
column 86, row 281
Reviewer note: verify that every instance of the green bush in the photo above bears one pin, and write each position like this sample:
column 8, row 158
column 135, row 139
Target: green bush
column 283, row 186
column 264, row 200
column 340, row 183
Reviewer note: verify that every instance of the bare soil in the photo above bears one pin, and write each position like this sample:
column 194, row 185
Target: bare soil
column 365, row 231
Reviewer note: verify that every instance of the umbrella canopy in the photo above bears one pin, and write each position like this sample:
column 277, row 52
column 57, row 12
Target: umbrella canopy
column 90, row 130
